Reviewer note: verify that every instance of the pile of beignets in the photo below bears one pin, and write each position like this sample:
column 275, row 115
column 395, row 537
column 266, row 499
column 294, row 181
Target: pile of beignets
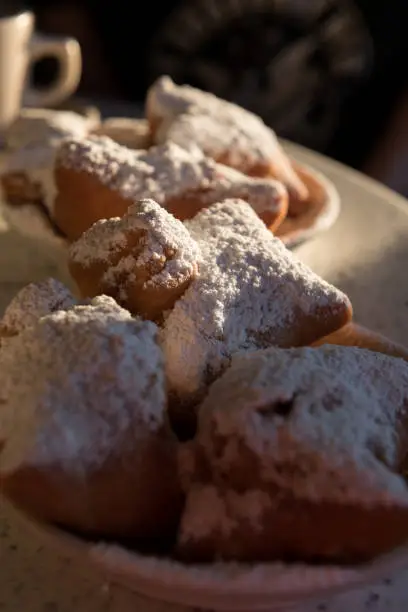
column 202, row 388
column 191, row 150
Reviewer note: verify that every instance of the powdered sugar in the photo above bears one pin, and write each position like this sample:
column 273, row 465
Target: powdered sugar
column 208, row 510
column 79, row 386
column 165, row 247
column 165, row 172
column 158, row 173
column 189, row 115
column 323, row 424
column 251, row 293
column 34, row 301
column 100, row 242
column 250, row 140
column 262, row 194
column 33, row 141
column 36, row 126
column 223, row 130
column 204, row 512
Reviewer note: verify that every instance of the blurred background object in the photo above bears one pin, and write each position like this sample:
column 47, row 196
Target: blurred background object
column 323, row 73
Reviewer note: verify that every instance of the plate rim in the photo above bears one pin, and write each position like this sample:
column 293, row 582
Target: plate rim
column 225, row 590
column 329, row 214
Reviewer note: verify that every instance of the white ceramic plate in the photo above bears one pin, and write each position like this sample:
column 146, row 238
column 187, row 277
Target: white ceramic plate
column 365, row 253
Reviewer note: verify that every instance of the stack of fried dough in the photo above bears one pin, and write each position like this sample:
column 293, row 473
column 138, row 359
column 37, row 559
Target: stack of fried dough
column 203, row 386
column 190, row 150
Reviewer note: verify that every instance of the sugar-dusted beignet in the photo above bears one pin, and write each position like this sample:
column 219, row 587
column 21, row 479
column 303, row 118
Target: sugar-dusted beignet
column 86, row 443
column 99, row 179
column 27, row 174
column 224, row 131
column 145, row 260
column 33, row 302
column 251, row 293
column 298, row 456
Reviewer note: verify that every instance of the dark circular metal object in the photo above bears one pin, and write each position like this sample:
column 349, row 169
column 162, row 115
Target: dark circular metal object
column 293, row 62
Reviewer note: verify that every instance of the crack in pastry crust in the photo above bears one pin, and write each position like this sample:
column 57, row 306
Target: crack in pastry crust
column 145, row 260
column 224, row 131
column 97, row 179
column 299, row 454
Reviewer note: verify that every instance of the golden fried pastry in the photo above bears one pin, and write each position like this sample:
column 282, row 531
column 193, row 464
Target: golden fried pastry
column 86, row 443
column 298, row 456
column 99, row 179
column 21, row 182
column 224, row 131
column 251, row 293
column 267, row 197
column 131, row 133
column 33, row 302
column 32, row 140
column 145, row 260
column 353, row 334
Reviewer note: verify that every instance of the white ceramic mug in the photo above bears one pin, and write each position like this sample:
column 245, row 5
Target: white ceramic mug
column 20, row 46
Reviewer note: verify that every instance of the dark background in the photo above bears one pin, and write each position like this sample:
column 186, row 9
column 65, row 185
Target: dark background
column 329, row 74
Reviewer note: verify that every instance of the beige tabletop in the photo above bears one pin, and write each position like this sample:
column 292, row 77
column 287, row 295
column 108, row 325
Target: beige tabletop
column 365, row 253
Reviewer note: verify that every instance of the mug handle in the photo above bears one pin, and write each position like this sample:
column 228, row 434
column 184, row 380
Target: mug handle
column 68, row 54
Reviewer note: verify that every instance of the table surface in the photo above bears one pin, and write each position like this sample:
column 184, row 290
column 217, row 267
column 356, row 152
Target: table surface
column 365, row 253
